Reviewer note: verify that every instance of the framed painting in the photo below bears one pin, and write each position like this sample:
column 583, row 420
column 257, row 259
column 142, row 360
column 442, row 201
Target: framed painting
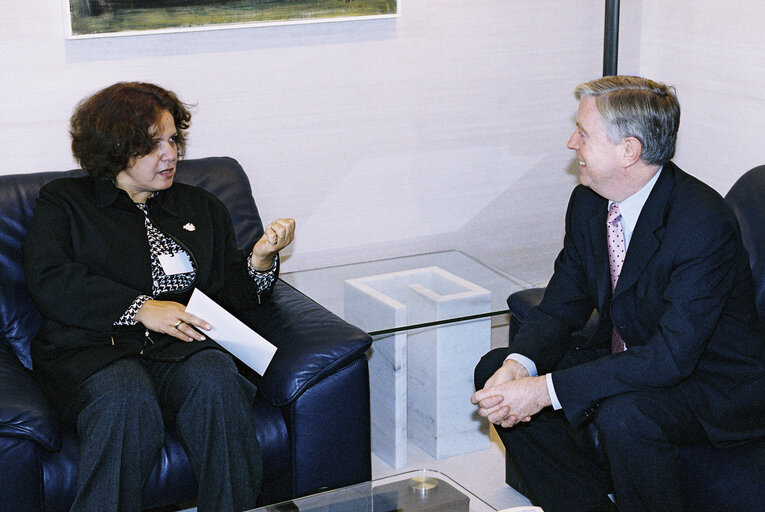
column 102, row 18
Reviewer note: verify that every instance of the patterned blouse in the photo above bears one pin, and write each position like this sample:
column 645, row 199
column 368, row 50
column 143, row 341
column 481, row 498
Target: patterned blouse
column 161, row 244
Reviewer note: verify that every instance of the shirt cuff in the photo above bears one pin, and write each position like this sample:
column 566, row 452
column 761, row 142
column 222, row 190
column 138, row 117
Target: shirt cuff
column 551, row 390
column 128, row 317
column 264, row 278
column 527, row 363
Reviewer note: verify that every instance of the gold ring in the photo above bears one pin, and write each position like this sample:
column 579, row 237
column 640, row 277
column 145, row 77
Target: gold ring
column 176, row 324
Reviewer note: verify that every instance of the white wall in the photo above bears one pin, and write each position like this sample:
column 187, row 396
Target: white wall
column 443, row 128
column 380, row 137
column 714, row 53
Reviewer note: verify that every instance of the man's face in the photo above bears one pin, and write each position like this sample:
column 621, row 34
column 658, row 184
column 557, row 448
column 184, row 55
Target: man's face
column 599, row 159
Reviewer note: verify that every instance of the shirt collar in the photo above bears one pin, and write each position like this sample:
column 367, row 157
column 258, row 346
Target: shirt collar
column 631, row 207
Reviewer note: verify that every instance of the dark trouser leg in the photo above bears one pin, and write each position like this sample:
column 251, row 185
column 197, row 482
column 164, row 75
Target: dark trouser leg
column 640, row 433
column 120, row 429
column 212, row 407
column 557, row 473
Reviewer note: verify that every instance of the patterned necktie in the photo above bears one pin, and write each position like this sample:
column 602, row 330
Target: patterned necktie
column 616, row 254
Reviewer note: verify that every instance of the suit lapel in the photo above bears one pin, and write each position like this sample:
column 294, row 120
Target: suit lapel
column 649, row 231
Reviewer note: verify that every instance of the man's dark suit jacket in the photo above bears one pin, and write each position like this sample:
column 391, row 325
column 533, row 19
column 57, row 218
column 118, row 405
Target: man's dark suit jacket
column 87, row 259
column 684, row 304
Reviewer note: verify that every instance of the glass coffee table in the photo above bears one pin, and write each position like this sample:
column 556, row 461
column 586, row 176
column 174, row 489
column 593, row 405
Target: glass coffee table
column 328, row 287
column 431, row 318
column 420, row 490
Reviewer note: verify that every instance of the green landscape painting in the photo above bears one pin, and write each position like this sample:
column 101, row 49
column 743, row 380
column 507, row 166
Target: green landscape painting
column 94, row 18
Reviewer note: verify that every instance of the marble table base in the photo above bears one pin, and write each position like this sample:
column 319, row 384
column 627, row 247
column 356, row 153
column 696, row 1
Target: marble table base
column 421, row 380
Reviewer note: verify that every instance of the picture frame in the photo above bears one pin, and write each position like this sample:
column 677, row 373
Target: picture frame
column 111, row 18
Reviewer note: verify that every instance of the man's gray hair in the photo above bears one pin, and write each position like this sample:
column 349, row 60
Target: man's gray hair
column 632, row 106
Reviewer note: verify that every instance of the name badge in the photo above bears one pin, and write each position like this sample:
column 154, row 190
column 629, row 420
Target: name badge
column 174, row 264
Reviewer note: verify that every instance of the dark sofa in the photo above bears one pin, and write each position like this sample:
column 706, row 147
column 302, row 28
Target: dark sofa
column 714, row 479
column 312, row 410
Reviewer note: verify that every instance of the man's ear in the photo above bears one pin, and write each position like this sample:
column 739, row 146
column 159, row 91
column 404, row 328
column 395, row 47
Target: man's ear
column 633, row 150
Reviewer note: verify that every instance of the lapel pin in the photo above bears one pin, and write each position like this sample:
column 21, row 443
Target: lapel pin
column 189, row 227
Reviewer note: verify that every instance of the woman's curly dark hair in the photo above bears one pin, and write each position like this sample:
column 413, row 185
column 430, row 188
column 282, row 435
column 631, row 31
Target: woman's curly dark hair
column 116, row 125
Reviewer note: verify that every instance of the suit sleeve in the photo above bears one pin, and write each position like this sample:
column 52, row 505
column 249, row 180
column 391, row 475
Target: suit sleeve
column 545, row 334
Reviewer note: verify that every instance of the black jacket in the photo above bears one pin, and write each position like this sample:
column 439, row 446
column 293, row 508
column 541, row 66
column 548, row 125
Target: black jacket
column 87, row 258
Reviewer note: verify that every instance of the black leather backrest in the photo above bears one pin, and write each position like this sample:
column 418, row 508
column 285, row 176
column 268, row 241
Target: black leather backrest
column 19, row 318
column 225, row 178
column 747, row 199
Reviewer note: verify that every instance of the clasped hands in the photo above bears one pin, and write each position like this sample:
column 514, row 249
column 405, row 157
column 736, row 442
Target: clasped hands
column 511, row 396
column 171, row 317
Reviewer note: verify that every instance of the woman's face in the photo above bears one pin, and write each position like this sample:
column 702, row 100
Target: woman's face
column 154, row 171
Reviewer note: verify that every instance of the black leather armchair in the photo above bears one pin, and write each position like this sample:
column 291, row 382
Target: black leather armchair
column 714, row 479
column 312, row 410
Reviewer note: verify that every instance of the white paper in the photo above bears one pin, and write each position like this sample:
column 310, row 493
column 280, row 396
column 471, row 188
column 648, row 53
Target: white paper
column 231, row 333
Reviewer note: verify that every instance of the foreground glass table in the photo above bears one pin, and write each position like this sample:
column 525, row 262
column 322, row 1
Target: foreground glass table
column 329, row 287
column 420, row 490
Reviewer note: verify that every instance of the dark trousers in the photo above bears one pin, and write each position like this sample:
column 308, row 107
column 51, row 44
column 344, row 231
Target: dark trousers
column 639, row 434
column 119, row 410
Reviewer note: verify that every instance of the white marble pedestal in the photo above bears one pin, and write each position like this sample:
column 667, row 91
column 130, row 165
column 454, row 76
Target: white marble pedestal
column 421, row 380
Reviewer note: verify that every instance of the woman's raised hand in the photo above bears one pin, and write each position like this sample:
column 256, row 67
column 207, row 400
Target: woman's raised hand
column 278, row 235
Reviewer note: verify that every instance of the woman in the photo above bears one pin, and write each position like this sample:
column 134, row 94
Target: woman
column 110, row 260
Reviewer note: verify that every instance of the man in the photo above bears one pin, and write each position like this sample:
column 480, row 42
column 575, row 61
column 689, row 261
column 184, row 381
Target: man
column 674, row 358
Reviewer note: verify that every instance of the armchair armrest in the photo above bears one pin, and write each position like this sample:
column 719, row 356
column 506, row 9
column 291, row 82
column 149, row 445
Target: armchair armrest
column 25, row 412
column 519, row 304
column 311, row 342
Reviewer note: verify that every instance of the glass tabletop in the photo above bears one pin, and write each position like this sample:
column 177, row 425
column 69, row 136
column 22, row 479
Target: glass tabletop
column 424, row 489
column 394, row 294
